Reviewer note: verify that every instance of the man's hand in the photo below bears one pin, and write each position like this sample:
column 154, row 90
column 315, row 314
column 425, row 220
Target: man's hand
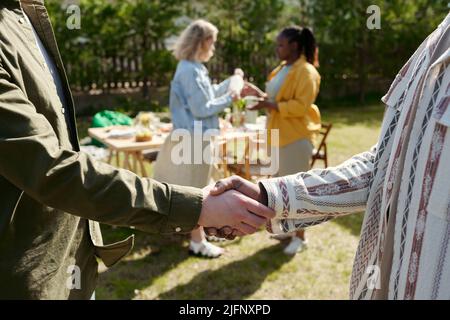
column 228, row 213
column 243, row 186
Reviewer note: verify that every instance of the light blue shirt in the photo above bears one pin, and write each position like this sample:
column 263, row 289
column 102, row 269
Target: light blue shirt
column 194, row 98
column 274, row 85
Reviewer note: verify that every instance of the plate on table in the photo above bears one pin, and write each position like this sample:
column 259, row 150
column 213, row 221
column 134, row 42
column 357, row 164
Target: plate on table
column 251, row 101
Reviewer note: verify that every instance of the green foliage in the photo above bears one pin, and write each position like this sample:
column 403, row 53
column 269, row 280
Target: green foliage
column 354, row 60
column 350, row 52
column 239, row 104
column 113, row 30
column 152, row 22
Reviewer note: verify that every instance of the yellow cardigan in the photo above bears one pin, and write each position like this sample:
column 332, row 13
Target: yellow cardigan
column 297, row 116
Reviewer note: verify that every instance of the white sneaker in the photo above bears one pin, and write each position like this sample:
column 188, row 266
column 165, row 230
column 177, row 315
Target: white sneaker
column 296, row 245
column 205, row 249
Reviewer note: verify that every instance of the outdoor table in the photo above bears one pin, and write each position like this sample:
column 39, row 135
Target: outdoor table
column 227, row 141
column 131, row 148
column 241, row 143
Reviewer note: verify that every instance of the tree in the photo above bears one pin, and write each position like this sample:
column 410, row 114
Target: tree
column 113, row 31
column 349, row 51
column 151, row 23
column 122, row 41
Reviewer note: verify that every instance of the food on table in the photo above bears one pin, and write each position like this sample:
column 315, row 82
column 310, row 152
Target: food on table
column 166, row 127
column 145, row 118
column 239, row 104
column 237, row 117
column 143, row 135
column 121, row 132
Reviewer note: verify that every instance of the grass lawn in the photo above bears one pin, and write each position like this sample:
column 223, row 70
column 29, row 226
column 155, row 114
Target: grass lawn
column 253, row 267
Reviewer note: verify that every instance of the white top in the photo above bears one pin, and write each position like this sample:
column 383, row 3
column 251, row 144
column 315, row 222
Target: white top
column 274, row 85
column 50, row 65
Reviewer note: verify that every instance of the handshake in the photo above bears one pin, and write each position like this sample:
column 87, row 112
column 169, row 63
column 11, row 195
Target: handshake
column 234, row 207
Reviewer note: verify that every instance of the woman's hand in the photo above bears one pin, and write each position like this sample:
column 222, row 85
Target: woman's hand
column 252, row 90
column 265, row 104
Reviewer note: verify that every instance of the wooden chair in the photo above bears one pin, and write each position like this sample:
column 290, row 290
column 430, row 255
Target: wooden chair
column 242, row 167
column 321, row 152
column 150, row 155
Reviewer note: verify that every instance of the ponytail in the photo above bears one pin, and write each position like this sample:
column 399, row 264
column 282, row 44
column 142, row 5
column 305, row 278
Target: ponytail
column 306, row 41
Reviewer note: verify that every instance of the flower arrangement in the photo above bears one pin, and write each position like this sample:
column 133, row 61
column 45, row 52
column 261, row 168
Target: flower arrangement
column 237, row 117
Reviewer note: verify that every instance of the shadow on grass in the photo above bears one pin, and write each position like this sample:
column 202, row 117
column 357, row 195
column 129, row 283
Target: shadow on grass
column 160, row 255
column 352, row 223
column 236, row 280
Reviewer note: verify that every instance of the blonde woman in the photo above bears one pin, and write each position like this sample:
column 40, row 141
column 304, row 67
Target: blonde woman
column 194, row 101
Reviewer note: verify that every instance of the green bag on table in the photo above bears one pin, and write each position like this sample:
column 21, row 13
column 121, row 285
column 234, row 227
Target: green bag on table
column 108, row 118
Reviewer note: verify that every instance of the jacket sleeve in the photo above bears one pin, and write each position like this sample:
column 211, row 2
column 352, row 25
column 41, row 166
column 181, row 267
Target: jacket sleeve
column 221, row 89
column 201, row 104
column 319, row 195
column 33, row 160
column 304, row 96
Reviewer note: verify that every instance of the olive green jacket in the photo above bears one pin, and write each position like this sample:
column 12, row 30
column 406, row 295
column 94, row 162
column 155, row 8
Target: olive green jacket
column 50, row 192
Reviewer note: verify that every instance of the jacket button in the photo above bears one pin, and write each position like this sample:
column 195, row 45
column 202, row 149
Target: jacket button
column 21, row 20
column 177, row 229
column 63, row 110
